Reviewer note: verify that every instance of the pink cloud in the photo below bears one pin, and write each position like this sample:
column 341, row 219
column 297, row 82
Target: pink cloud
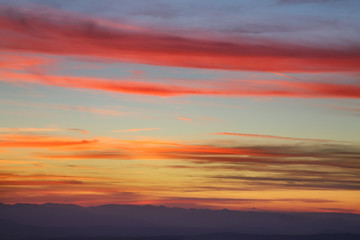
column 184, row 119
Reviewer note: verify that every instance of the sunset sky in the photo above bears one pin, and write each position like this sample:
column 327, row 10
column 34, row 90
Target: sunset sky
column 249, row 105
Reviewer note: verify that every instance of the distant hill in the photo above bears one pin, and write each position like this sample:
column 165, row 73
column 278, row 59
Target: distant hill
column 64, row 221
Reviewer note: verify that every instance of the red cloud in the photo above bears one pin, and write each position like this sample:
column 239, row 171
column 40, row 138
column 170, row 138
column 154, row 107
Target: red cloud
column 17, row 62
column 241, row 88
column 61, row 33
column 132, row 87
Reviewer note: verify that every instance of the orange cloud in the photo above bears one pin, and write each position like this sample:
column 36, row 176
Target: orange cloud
column 64, row 33
column 38, row 141
column 41, row 177
column 148, row 151
column 236, row 167
column 110, row 148
column 99, row 154
column 37, row 183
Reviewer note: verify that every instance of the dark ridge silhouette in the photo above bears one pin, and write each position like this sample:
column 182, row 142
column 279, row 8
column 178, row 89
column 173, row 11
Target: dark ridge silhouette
column 67, row 222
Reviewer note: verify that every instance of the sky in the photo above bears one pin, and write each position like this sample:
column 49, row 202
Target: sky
column 246, row 105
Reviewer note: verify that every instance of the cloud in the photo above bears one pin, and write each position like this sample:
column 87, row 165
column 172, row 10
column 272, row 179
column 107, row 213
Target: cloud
column 39, row 141
column 78, row 130
column 310, row 165
column 85, row 196
column 62, row 33
column 109, row 112
column 120, row 86
column 37, row 183
column 233, row 88
column 184, row 119
column 85, row 190
column 266, row 161
column 136, row 130
column 340, row 210
column 238, row 200
column 20, row 62
column 337, row 156
column 100, row 154
column 272, row 137
column 327, row 155
column 77, row 189
column 50, row 177
column 300, row 182
column 283, row 75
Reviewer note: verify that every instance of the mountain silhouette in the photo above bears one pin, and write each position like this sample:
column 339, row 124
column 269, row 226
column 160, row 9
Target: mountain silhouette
column 66, row 220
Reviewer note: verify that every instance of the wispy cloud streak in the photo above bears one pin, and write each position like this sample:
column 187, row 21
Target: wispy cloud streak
column 61, row 33
column 184, row 119
column 272, row 137
column 39, row 141
column 240, row 88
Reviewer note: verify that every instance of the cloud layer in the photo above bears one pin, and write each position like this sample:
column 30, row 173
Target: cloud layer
column 63, row 33
column 79, row 125
column 231, row 88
